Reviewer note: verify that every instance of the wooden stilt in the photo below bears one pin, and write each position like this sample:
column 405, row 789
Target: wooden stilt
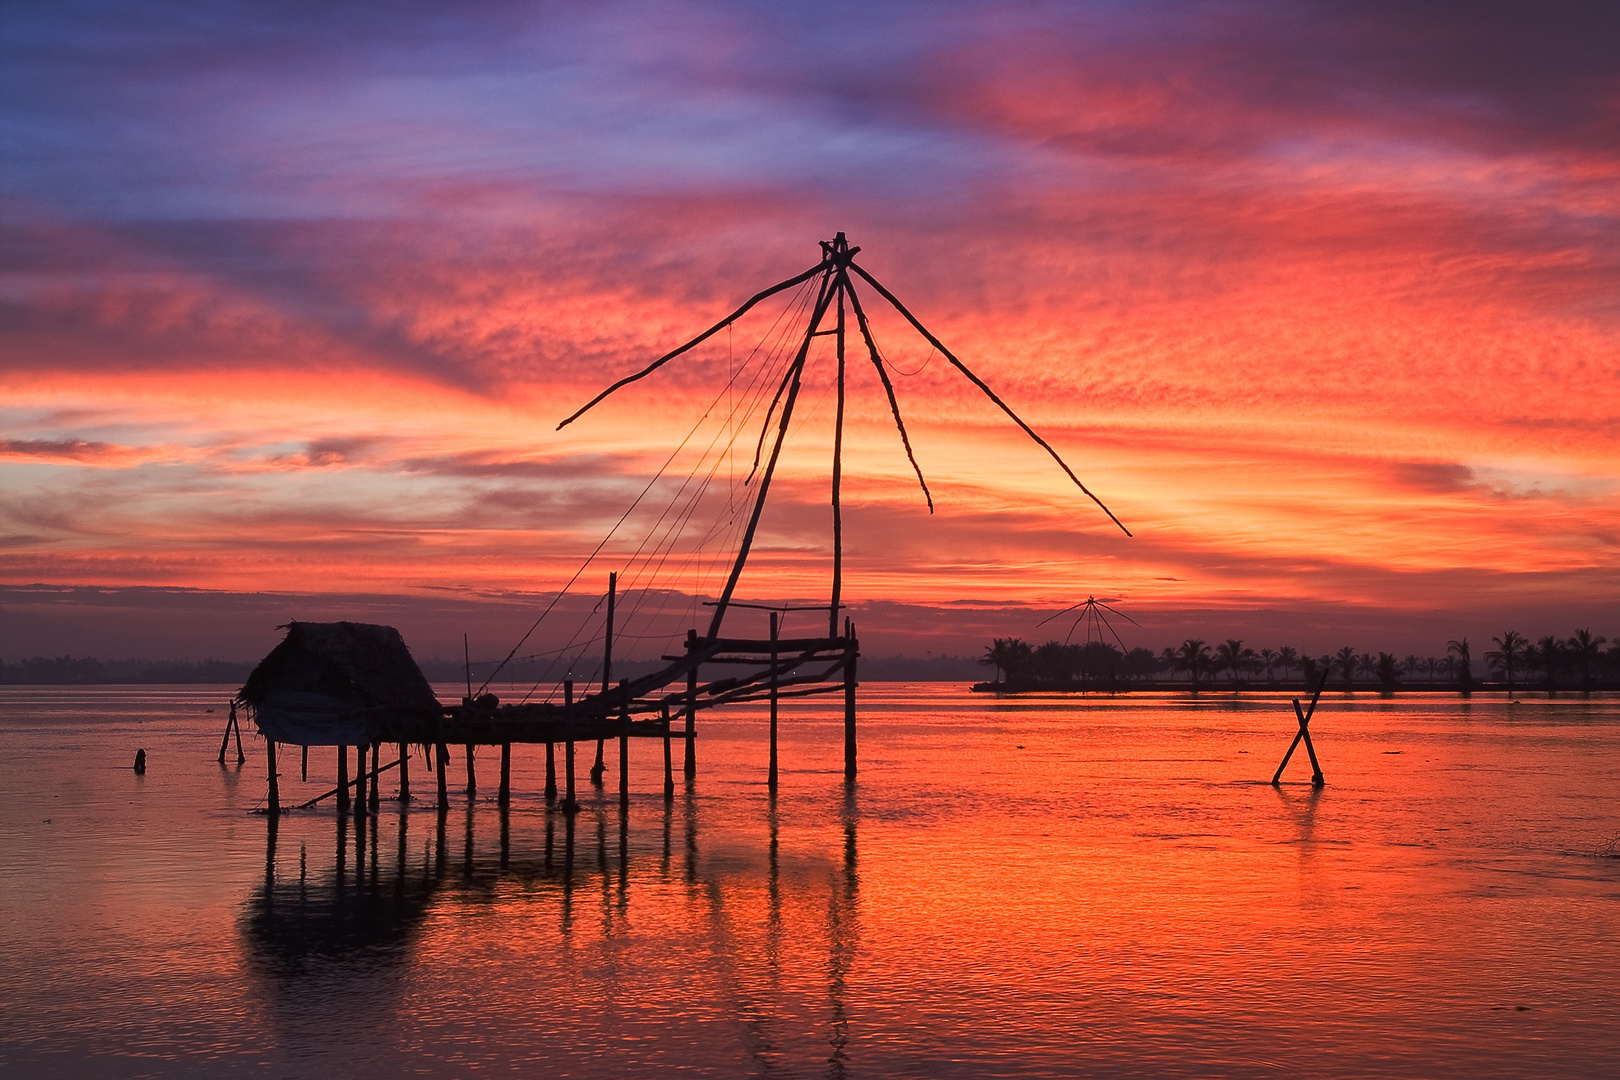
column 275, row 789
column 570, row 803
column 690, row 767
column 225, row 740
column 343, row 779
column 360, row 781
column 851, row 654
column 236, row 726
column 505, row 795
column 551, row 772
column 770, row 781
column 404, row 774
column 303, row 764
column 472, row 779
column 376, row 751
column 669, row 762
column 624, row 744
column 599, row 769
column 440, row 752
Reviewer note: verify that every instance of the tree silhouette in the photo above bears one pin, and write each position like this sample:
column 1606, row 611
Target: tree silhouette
column 1345, row 661
column 1192, row 657
column 1288, row 659
column 1230, row 655
column 1462, row 663
column 1583, row 650
column 1509, row 653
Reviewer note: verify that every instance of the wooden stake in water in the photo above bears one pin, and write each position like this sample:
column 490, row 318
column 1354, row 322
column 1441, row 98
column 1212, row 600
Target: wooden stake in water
column 343, row 779
column 770, row 780
column 1304, row 733
column 624, row 744
column 570, row 804
column 505, row 796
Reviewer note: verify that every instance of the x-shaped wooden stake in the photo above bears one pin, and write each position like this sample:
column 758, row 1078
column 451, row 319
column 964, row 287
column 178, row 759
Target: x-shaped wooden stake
column 1304, row 717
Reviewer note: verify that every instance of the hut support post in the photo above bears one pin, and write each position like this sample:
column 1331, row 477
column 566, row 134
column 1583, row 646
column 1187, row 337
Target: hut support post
column 360, row 781
column 343, row 779
column 275, row 789
column 303, row 764
column 850, row 655
column 599, row 769
column 551, row 772
column 669, row 762
column 624, row 744
column 691, row 709
column 440, row 752
column 472, row 778
column 570, row 804
column 376, row 753
column 404, row 773
column 505, row 797
column 775, row 630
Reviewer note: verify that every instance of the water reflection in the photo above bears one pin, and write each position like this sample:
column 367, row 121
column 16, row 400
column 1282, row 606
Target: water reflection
column 767, row 923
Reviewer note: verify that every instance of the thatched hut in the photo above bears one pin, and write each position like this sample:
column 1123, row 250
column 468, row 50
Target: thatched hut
column 341, row 684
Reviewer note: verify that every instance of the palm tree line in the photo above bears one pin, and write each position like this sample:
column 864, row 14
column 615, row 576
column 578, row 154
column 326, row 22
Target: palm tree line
column 1576, row 662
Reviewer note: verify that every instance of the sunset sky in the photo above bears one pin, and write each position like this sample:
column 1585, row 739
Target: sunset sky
column 1323, row 300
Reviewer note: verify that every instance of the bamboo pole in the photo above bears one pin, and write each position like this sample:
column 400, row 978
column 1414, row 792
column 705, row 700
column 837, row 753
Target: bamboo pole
column 440, row 753
column 376, row 752
column 837, row 506
column 551, row 772
column 851, row 653
column 669, row 762
column 771, row 776
column 770, row 468
column 360, row 781
column 343, row 779
column 570, row 803
column 303, row 763
column 343, row 789
column 690, row 765
column 505, row 796
column 275, row 789
column 472, row 778
column 225, row 740
column 404, row 774
column 624, row 744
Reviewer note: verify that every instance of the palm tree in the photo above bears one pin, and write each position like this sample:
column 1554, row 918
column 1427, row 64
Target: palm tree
column 1583, row 650
column 1387, row 669
column 1548, row 652
column 1412, row 664
column 1431, row 665
column 1345, row 660
column 1193, row 656
column 996, row 654
column 1231, row 656
column 1287, row 659
column 1167, row 661
column 1510, row 651
column 1462, row 663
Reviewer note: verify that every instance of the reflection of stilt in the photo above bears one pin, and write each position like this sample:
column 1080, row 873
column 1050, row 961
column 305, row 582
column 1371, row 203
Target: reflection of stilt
column 842, row 938
column 506, row 835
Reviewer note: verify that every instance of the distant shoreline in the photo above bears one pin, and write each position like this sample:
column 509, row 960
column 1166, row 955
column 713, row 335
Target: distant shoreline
column 1291, row 686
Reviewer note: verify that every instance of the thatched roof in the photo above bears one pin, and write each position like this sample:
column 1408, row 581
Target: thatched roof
column 360, row 670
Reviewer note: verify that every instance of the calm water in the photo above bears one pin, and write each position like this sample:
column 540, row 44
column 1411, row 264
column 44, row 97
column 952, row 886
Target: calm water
column 1022, row 888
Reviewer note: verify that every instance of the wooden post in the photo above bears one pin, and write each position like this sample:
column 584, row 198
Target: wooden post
column 1304, row 733
column 360, row 781
column 440, row 752
column 343, row 780
column 669, row 764
column 551, row 772
column 624, row 744
column 376, row 785
column 570, row 804
column 237, row 727
column 303, row 764
column 505, row 797
column 851, row 652
column 275, row 790
column 599, row 769
column 837, row 478
column 225, row 740
column 691, row 708
column 404, row 774
column 472, row 780
column 771, row 777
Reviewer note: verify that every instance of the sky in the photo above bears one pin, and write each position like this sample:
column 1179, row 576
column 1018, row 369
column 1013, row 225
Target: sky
column 1323, row 300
